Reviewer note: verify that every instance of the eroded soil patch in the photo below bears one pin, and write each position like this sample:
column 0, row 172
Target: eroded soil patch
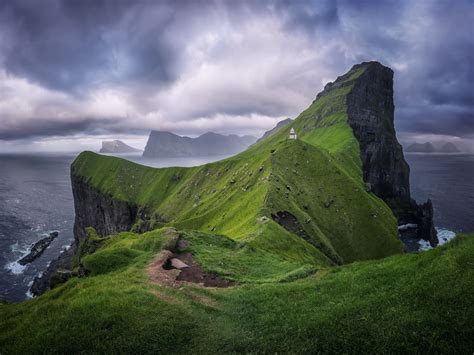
column 175, row 270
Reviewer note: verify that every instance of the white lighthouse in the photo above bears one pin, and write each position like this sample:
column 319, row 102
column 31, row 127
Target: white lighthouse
column 292, row 134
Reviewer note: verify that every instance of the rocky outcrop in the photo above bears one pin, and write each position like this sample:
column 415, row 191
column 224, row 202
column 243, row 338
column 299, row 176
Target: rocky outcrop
column 96, row 209
column 38, row 248
column 101, row 211
column 56, row 269
column 370, row 111
column 426, row 229
column 291, row 224
column 167, row 144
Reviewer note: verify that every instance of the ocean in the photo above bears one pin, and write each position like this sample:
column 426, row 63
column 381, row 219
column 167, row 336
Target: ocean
column 36, row 199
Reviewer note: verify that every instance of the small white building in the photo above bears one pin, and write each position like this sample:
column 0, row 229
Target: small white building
column 292, row 134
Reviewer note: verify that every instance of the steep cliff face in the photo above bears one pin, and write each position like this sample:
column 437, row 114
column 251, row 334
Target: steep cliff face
column 370, row 111
column 99, row 210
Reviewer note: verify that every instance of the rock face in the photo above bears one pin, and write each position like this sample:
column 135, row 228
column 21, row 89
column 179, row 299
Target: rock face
column 117, row 147
column 49, row 278
column 38, row 248
column 278, row 126
column 370, row 111
column 102, row 212
column 167, row 144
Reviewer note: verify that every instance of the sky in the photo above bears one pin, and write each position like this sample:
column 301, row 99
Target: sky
column 76, row 72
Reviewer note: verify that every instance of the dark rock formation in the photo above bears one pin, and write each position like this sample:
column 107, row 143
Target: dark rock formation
column 38, row 248
column 370, row 112
column 275, row 129
column 117, row 147
column 100, row 211
column 167, row 144
column 48, row 278
column 292, row 225
column 426, row 228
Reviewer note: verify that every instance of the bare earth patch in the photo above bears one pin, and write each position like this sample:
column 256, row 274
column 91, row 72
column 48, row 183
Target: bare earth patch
column 170, row 270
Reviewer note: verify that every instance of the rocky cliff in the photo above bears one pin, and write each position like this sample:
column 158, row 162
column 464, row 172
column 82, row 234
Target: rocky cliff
column 370, row 111
column 98, row 210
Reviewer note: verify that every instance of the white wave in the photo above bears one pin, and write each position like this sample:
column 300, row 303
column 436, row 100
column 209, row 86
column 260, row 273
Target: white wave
column 404, row 227
column 444, row 236
column 20, row 249
column 15, row 268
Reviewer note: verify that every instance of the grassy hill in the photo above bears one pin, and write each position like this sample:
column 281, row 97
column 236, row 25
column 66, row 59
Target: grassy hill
column 316, row 180
column 406, row 303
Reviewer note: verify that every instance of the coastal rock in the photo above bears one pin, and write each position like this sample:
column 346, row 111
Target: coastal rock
column 38, row 248
column 43, row 282
column 370, row 111
column 100, row 211
column 426, row 229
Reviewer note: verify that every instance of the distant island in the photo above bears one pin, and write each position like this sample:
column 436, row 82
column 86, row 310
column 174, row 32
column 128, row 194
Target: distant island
column 117, row 146
column 167, row 144
column 429, row 147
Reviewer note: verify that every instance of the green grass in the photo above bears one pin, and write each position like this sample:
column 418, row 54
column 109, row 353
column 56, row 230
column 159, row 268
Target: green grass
column 409, row 303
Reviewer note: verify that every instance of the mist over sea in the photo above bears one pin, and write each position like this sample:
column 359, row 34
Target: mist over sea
column 36, row 198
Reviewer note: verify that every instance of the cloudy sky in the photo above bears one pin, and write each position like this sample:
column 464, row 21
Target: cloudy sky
column 74, row 72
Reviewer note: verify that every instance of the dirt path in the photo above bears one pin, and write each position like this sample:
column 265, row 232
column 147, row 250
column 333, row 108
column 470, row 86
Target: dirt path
column 175, row 270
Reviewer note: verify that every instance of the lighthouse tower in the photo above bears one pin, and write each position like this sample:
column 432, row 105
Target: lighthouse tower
column 292, row 134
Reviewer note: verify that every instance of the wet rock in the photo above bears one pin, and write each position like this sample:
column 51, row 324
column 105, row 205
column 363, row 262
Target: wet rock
column 426, row 229
column 38, row 248
column 64, row 261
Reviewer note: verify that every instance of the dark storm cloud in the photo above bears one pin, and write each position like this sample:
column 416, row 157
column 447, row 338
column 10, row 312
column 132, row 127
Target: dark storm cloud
column 184, row 61
column 41, row 127
column 68, row 45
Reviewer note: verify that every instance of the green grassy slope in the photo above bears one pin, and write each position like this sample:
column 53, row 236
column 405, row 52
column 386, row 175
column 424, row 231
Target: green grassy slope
column 317, row 178
column 417, row 303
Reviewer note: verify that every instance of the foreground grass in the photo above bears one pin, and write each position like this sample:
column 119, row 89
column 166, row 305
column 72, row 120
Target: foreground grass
column 416, row 303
